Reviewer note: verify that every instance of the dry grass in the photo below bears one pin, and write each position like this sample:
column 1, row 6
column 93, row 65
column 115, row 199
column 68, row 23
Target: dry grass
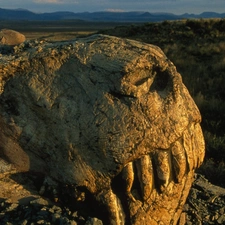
column 56, row 36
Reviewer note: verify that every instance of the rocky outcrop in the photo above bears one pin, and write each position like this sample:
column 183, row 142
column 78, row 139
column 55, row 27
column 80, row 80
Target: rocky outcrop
column 205, row 203
column 11, row 37
column 106, row 116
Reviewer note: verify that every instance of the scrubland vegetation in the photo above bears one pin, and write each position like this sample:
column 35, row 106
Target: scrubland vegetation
column 197, row 48
column 56, row 30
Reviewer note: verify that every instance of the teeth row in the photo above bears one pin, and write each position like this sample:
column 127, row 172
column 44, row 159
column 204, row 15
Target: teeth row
column 154, row 173
column 158, row 169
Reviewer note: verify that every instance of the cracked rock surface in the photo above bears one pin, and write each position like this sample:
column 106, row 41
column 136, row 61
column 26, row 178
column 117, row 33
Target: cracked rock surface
column 108, row 120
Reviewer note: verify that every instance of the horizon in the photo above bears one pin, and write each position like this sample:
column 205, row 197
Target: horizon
column 109, row 10
column 177, row 7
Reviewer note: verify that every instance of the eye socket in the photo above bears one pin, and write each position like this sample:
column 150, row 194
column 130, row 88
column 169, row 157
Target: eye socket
column 162, row 82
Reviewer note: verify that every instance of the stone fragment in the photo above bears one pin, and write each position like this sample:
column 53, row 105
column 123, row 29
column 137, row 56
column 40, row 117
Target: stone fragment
column 39, row 202
column 221, row 219
column 93, row 221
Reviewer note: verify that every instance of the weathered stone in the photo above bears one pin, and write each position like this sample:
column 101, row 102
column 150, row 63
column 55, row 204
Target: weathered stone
column 221, row 219
column 93, row 221
column 207, row 206
column 11, row 37
column 39, row 202
column 106, row 114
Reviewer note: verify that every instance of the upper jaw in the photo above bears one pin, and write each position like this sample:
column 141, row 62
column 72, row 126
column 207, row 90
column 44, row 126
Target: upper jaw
column 159, row 175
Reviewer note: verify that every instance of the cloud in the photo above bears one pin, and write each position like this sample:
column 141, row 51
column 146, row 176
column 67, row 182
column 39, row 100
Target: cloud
column 173, row 6
column 49, row 1
column 114, row 10
column 55, row 1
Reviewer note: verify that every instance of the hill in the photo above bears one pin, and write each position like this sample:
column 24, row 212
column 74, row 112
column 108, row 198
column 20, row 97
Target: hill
column 23, row 14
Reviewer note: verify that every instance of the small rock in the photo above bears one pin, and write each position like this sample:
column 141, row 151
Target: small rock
column 39, row 201
column 222, row 210
column 43, row 213
column 93, row 221
column 72, row 222
column 24, row 222
column 75, row 215
column 57, row 209
column 64, row 221
column 55, row 217
column 12, row 207
column 51, row 210
column 221, row 220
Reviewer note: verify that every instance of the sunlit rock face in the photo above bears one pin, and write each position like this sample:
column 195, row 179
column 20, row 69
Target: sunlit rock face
column 11, row 37
column 106, row 114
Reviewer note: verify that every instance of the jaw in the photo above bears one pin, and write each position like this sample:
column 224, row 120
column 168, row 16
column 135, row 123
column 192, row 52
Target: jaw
column 155, row 186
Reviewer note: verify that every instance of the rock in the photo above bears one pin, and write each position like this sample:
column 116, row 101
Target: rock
column 208, row 205
column 221, row 219
column 39, row 201
column 11, row 37
column 107, row 116
column 93, row 221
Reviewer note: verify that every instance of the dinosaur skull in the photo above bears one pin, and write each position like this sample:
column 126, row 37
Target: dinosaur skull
column 108, row 114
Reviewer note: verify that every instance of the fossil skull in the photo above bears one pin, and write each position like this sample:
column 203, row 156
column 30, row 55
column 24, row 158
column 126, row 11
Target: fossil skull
column 108, row 114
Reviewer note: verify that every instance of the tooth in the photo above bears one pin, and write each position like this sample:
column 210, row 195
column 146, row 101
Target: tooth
column 179, row 161
column 192, row 146
column 198, row 144
column 188, row 148
column 163, row 168
column 145, row 175
column 128, row 176
column 116, row 213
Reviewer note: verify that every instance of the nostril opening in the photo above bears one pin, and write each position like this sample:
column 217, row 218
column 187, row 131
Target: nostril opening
column 142, row 81
column 161, row 80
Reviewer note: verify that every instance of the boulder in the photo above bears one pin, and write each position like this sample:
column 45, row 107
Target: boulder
column 11, row 37
column 107, row 115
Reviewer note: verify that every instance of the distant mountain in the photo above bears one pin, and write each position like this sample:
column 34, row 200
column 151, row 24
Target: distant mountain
column 23, row 14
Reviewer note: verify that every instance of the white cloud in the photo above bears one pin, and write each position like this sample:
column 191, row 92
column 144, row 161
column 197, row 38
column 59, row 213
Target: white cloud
column 49, row 1
column 56, row 1
column 114, row 10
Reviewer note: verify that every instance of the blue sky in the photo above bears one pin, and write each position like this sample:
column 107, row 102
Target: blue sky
column 170, row 6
